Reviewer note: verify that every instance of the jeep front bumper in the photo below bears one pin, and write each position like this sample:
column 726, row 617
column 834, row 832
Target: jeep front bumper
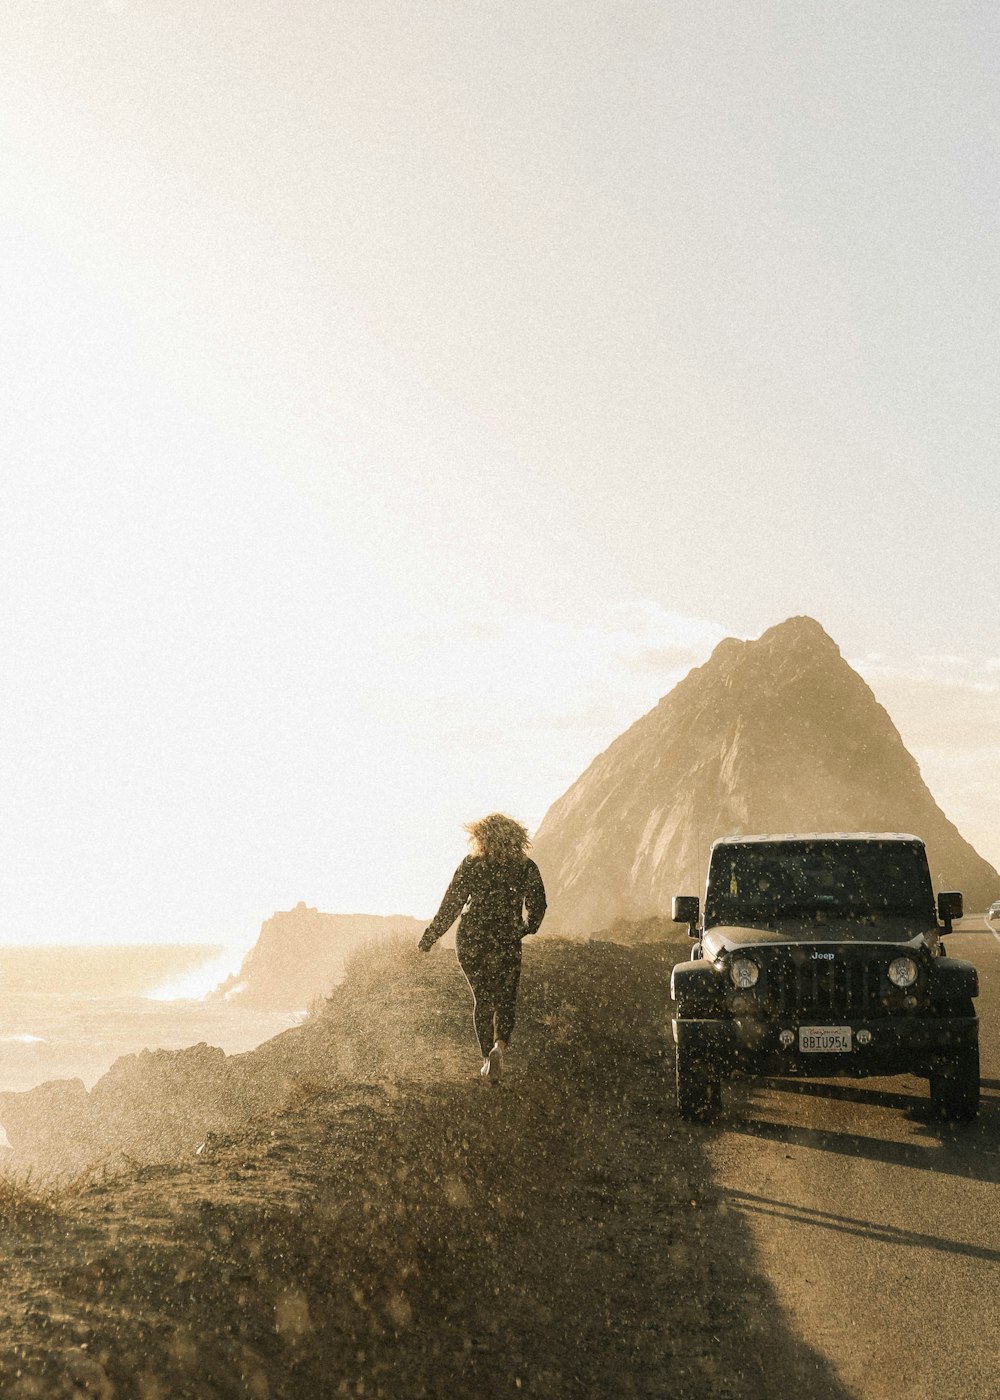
column 895, row 1045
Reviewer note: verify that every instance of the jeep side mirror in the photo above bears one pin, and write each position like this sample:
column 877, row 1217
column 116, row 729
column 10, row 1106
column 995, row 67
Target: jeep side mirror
column 949, row 907
column 686, row 909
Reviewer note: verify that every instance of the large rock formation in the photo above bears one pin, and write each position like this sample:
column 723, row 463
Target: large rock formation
column 300, row 955
column 778, row 734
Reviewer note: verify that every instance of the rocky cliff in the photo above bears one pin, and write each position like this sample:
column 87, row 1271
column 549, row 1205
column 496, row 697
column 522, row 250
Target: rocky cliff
column 158, row 1104
column 300, row 954
column 778, row 734
column 398, row 1015
column 335, row 1245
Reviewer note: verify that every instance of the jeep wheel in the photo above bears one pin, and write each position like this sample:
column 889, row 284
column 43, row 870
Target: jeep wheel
column 955, row 1086
column 698, row 1089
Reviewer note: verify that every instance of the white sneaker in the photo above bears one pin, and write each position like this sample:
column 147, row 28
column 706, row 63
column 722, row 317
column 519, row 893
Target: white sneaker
column 486, row 1069
column 495, row 1061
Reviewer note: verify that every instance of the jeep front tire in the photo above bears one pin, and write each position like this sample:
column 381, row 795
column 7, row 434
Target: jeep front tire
column 955, row 1086
column 698, row 1089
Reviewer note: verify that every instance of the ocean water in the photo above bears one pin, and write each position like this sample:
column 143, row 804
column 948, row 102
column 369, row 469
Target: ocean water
column 70, row 1012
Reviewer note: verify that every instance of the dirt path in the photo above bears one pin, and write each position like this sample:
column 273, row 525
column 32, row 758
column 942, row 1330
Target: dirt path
column 555, row 1236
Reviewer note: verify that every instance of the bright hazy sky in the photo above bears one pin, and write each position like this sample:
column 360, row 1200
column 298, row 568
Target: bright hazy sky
column 398, row 398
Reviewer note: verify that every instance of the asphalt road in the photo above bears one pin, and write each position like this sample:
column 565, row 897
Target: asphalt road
column 878, row 1227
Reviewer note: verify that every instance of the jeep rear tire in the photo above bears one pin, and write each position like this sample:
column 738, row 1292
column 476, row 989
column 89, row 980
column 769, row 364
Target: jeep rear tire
column 955, row 1086
column 698, row 1089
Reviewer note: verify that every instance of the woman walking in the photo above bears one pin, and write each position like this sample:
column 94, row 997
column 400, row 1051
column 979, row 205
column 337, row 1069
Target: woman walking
column 499, row 893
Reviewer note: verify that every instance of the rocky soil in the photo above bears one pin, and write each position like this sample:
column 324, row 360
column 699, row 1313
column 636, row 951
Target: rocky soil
column 407, row 1231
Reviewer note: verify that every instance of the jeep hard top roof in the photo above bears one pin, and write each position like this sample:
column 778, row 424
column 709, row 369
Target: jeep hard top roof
column 817, row 836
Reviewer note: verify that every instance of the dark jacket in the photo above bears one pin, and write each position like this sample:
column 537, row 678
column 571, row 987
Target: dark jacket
column 502, row 903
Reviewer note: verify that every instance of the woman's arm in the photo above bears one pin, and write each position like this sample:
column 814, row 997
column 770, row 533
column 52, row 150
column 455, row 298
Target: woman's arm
column 534, row 899
column 454, row 902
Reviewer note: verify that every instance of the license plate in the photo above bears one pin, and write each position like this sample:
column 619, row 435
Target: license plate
column 821, row 1040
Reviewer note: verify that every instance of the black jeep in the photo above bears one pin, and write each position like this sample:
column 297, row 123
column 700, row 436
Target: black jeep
column 822, row 955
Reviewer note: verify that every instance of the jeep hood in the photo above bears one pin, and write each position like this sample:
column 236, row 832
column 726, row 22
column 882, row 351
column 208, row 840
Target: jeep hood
column 891, row 930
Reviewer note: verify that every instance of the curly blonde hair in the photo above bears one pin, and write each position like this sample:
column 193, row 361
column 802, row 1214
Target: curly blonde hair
column 498, row 838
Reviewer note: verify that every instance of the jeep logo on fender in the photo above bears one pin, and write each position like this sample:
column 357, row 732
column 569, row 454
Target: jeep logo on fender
column 828, row 956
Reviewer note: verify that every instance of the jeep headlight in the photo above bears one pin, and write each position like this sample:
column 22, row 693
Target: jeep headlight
column 744, row 973
column 903, row 972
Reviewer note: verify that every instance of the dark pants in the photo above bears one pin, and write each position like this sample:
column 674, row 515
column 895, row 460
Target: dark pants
column 493, row 971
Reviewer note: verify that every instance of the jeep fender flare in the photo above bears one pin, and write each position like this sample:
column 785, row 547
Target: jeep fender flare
column 954, row 979
column 696, row 984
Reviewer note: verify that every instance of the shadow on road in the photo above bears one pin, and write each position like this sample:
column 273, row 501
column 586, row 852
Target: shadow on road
column 967, row 1150
column 917, row 1104
column 849, row 1225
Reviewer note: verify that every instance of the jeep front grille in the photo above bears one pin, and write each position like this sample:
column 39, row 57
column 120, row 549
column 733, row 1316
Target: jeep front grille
column 799, row 985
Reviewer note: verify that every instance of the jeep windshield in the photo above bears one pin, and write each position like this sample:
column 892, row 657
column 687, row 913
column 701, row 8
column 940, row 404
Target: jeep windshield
column 762, row 881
